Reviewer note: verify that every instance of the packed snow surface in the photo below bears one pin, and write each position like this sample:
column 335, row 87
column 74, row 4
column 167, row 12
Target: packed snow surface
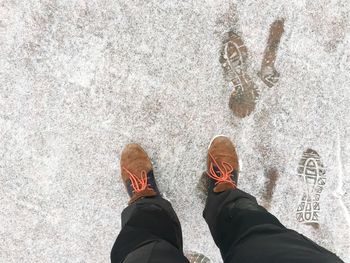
column 79, row 79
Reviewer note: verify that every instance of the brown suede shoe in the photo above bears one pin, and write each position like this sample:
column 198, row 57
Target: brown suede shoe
column 137, row 173
column 222, row 165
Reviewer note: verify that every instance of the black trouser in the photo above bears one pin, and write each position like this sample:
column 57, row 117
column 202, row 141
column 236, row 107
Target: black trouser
column 243, row 231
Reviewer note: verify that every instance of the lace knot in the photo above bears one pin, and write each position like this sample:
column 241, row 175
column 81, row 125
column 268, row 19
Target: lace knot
column 138, row 184
column 224, row 173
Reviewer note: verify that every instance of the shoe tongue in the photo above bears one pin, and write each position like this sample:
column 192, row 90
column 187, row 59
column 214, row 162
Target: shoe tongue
column 217, row 170
column 233, row 174
column 145, row 193
column 152, row 185
column 221, row 187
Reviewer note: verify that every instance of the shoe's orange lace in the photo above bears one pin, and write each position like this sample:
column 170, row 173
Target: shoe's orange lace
column 138, row 184
column 225, row 170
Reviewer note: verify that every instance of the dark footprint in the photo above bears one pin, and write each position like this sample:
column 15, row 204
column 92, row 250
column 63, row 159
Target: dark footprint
column 312, row 172
column 243, row 97
column 202, row 187
column 195, row 257
column 233, row 60
column 270, row 185
column 268, row 73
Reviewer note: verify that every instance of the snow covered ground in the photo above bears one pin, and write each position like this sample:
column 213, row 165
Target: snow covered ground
column 79, row 79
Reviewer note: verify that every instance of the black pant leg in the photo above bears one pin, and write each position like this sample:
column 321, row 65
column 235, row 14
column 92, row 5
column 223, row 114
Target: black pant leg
column 149, row 228
column 227, row 227
column 246, row 232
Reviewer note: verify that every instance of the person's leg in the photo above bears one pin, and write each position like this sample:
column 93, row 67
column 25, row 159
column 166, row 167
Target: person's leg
column 243, row 230
column 230, row 214
column 151, row 231
column 148, row 222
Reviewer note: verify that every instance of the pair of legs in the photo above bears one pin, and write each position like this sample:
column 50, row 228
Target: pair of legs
column 243, row 230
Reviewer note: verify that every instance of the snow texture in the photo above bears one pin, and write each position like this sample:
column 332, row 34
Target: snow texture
column 79, row 79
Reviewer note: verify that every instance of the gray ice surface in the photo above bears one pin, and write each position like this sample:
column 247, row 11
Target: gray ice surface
column 80, row 79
